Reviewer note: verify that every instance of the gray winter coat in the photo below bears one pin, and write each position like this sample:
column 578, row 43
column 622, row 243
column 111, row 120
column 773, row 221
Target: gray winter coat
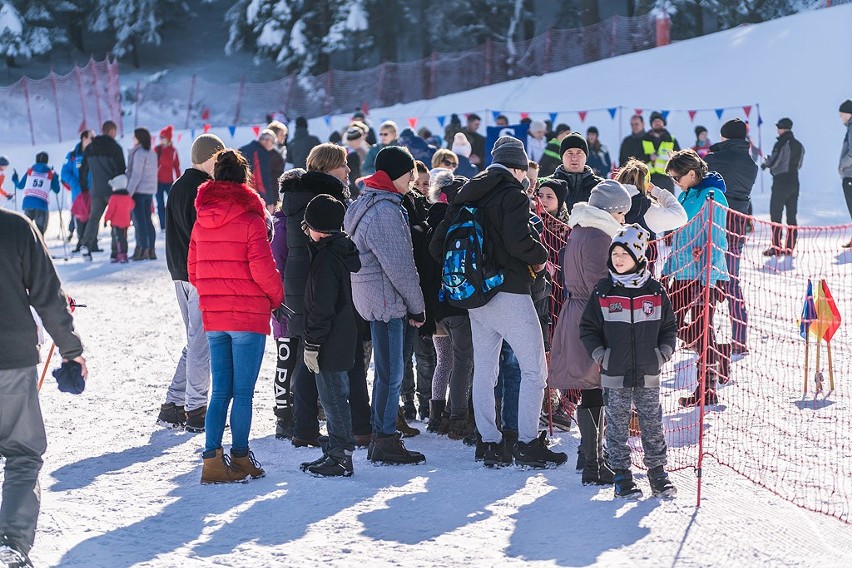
column 387, row 286
column 141, row 171
column 846, row 153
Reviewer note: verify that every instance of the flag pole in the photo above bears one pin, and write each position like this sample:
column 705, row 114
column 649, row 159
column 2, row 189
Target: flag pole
column 818, row 348
column 807, row 359
column 830, row 366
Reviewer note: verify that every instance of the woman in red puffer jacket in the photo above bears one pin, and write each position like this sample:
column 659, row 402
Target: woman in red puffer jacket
column 231, row 265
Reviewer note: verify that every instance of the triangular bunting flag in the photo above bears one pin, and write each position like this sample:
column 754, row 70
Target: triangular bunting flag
column 179, row 136
column 192, row 133
column 412, row 122
column 327, row 119
column 637, row 111
column 759, row 120
column 365, row 108
column 553, row 116
column 612, row 112
column 441, row 120
column 747, row 110
column 206, row 128
column 692, row 114
column 582, row 114
column 665, row 114
column 525, row 115
column 232, row 130
column 256, row 130
column 494, row 115
column 719, row 113
column 205, row 114
column 82, row 127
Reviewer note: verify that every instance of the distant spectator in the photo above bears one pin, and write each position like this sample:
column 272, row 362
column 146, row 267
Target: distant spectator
column 599, row 159
column 477, row 140
column 103, row 159
column 419, row 148
column 461, row 148
column 278, row 156
column 257, row 153
column 536, row 141
column 37, row 184
column 70, row 179
column 501, row 120
column 784, row 164
column 370, row 134
column 388, row 134
column 702, row 142
column 141, row 186
column 168, row 170
column 300, row 144
column 551, row 158
column 452, row 128
column 845, row 167
column 631, row 146
column 446, row 159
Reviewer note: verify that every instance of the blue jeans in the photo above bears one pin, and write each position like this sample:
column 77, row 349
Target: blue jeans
column 235, row 358
column 145, row 232
column 162, row 190
column 736, row 304
column 333, row 390
column 388, row 339
column 508, row 387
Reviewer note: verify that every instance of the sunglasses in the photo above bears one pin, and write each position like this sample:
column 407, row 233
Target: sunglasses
column 677, row 178
column 449, row 163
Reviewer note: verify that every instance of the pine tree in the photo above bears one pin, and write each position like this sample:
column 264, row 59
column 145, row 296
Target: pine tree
column 688, row 16
column 28, row 29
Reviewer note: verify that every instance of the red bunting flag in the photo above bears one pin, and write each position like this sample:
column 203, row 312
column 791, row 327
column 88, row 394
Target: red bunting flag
column 525, row 115
column 206, row 128
column 582, row 114
column 256, row 130
column 205, row 114
column 747, row 110
column 179, row 136
column 692, row 114
column 412, row 122
column 82, row 127
column 637, row 111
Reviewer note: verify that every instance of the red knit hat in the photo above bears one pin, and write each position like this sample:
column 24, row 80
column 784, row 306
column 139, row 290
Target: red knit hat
column 167, row 132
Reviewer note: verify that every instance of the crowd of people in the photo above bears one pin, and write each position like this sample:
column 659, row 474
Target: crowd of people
column 472, row 287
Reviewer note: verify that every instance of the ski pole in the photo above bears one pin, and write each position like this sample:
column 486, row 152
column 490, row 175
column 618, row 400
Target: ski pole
column 46, row 365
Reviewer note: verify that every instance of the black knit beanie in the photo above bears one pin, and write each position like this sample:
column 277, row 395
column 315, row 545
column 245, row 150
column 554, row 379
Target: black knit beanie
column 846, row 106
column 324, row 214
column 395, row 161
column 559, row 188
column 574, row 140
column 734, row 129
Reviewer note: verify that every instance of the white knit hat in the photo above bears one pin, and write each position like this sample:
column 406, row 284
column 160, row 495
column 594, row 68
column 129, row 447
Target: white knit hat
column 461, row 145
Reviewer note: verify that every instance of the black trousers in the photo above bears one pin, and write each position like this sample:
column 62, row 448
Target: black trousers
column 785, row 197
column 847, row 192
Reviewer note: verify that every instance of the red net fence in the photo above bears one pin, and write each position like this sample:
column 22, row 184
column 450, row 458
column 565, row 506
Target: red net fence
column 770, row 336
column 58, row 107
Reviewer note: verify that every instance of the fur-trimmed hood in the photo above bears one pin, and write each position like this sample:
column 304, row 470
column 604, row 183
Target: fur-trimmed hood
column 585, row 215
column 219, row 202
column 297, row 191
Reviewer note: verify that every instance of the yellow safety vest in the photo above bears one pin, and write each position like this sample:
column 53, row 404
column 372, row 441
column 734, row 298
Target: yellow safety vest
column 658, row 166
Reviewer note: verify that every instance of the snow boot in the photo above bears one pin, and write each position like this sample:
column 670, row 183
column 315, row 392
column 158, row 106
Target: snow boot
column 152, row 254
column 724, row 363
column 313, row 442
column 661, row 485
column 496, row 455
column 362, row 440
column 247, row 464
column 710, row 397
column 402, row 425
column 171, row 416
column 284, row 423
column 122, row 257
column 391, row 450
column 218, row 469
column 195, row 420
column 409, row 411
column 12, row 555
column 625, row 487
column 581, row 459
column 337, row 463
column 423, row 410
column 436, row 409
column 86, row 253
column 595, row 469
column 143, row 255
column 479, row 445
column 444, row 424
column 537, row 455
column 510, row 440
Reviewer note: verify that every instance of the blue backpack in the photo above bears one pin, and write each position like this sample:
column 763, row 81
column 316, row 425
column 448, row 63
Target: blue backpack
column 467, row 280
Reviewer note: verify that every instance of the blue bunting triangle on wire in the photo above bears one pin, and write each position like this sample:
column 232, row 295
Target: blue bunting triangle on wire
column 232, row 130
column 441, row 120
column 719, row 113
column 612, row 112
column 553, row 116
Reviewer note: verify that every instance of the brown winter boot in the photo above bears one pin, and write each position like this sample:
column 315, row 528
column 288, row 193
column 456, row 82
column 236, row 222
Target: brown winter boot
column 247, row 464
column 152, row 254
column 137, row 252
column 219, row 469
column 401, row 425
column 143, row 255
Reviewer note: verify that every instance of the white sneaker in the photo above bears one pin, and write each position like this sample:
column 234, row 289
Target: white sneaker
column 86, row 254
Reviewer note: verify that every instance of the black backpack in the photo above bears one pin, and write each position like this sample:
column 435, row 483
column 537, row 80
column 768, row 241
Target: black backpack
column 467, row 279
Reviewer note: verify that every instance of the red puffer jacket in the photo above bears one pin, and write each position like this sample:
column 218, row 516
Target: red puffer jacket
column 230, row 260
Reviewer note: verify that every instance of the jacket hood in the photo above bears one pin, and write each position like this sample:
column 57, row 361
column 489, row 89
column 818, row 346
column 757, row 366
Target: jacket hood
column 41, row 168
column 296, row 192
column 366, row 201
column 734, row 144
column 342, row 246
column 585, row 215
column 712, row 181
column 482, row 183
column 219, row 202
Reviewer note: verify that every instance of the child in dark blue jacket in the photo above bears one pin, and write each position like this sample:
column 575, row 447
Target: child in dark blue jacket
column 629, row 329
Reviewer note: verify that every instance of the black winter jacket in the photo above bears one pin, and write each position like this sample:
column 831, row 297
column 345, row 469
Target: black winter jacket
column 579, row 185
column 786, row 158
column 631, row 147
column 330, row 321
column 180, row 220
column 103, row 159
column 296, row 193
column 629, row 332
column 732, row 159
column 28, row 278
column 300, row 146
column 511, row 241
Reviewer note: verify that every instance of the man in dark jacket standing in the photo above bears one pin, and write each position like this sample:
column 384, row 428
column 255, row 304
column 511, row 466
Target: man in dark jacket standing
column 103, row 159
column 784, row 164
column 300, row 144
column 258, row 154
column 477, row 141
column 509, row 315
column 580, row 177
column 186, row 399
column 631, row 146
column 845, row 167
column 732, row 159
column 27, row 278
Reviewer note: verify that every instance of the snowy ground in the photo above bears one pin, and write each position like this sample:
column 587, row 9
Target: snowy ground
column 119, row 491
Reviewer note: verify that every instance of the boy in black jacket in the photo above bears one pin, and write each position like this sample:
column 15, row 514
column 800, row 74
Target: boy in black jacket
column 331, row 332
column 630, row 329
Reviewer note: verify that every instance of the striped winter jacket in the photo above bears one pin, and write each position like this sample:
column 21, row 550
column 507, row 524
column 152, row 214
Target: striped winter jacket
column 629, row 332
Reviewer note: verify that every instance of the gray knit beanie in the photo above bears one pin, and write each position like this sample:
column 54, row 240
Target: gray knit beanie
column 610, row 196
column 205, row 147
column 509, row 151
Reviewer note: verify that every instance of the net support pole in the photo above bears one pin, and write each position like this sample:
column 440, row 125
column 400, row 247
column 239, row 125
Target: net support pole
column 56, row 104
column 707, row 330
column 189, row 101
column 25, row 84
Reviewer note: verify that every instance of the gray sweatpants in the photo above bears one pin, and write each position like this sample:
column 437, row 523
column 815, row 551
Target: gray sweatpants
column 22, row 443
column 511, row 317
column 191, row 381
column 618, row 411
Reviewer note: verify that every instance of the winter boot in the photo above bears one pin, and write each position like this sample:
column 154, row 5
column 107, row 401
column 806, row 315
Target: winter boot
column 409, row 411
column 595, row 469
column 402, row 425
column 661, row 485
column 625, row 487
column 537, row 455
column 423, row 410
column 391, row 450
column 724, row 363
column 510, row 440
column 337, row 463
column 495, row 454
column 284, row 423
column 143, row 255
column 137, row 252
column 581, row 459
column 12, row 555
column 171, row 416
column 362, row 440
column 710, row 397
column 313, row 442
column 195, row 420
column 436, row 409
column 247, row 464
column 152, row 254
column 122, row 257
column 86, row 253
column 444, row 424
column 218, row 469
